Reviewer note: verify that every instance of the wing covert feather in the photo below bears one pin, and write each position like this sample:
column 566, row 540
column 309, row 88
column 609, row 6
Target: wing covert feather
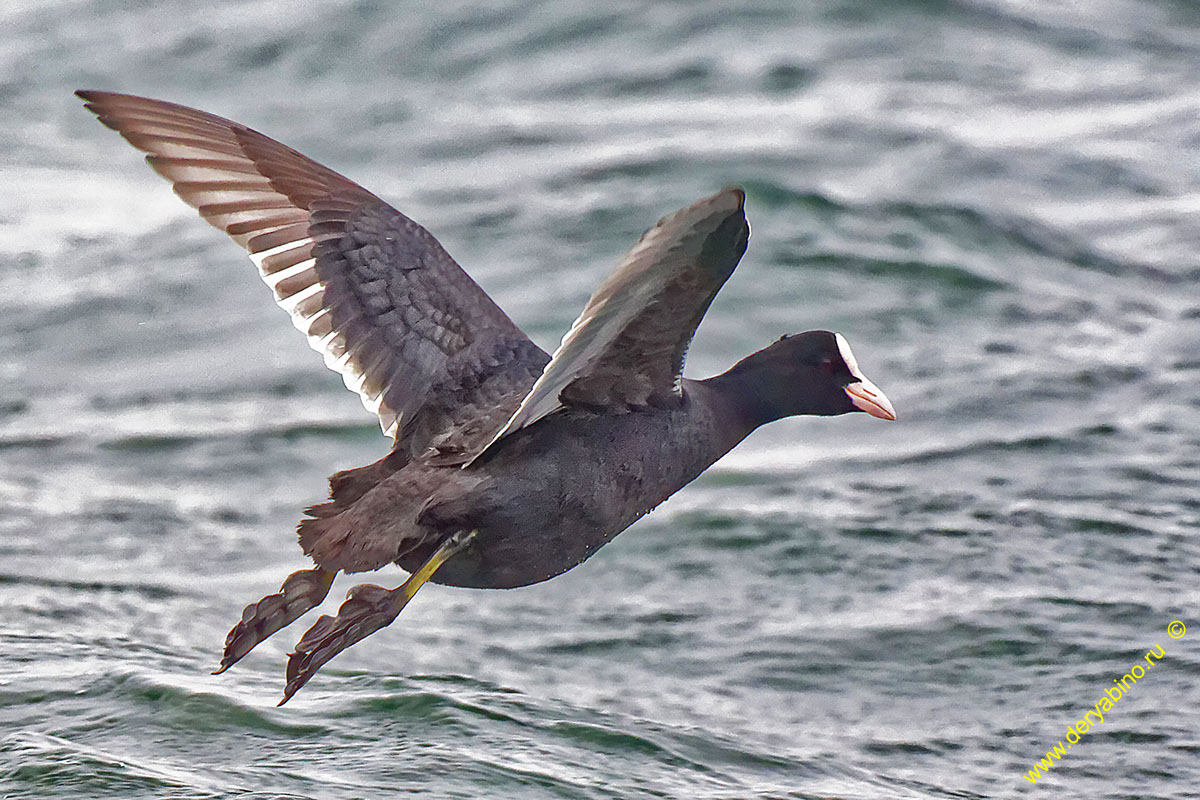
column 626, row 350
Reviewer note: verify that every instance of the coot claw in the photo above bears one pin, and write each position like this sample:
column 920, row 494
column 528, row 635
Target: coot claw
column 300, row 592
column 367, row 609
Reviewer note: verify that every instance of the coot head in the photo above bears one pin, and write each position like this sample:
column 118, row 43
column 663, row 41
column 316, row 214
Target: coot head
column 807, row 373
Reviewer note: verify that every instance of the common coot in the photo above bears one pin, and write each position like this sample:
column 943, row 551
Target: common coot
column 508, row 466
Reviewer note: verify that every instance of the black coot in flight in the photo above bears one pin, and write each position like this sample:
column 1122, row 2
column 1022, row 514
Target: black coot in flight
column 508, row 466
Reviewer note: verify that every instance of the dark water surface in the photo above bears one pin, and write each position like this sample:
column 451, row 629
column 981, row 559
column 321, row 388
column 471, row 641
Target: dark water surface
column 995, row 201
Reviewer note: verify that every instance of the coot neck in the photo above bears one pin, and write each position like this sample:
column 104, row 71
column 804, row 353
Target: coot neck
column 744, row 397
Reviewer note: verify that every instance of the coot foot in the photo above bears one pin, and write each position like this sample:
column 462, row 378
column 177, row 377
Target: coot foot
column 300, row 592
column 367, row 609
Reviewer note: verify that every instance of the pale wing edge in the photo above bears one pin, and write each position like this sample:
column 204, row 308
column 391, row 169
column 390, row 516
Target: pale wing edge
column 202, row 156
column 619, row 301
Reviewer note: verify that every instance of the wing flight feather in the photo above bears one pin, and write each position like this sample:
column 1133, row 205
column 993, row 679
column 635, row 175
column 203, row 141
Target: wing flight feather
column 373, row 291
column 626, row 350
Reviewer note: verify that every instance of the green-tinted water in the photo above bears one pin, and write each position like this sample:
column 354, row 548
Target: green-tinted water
column 994, row 201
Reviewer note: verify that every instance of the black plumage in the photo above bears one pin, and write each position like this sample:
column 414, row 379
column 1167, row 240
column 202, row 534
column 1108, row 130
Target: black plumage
column 508, row 466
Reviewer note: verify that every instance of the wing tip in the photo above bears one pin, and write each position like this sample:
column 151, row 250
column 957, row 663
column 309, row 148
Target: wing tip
column 92, row 98
column 735, row 193
column 726, row 207
column 729, row 203
column 95, row 100
column 91, row 95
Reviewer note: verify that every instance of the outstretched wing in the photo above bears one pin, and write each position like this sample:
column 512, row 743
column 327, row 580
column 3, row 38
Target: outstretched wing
column 627, row 348
column 372, row 290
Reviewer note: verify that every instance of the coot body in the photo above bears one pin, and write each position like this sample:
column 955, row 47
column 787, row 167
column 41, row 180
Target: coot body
column 508, row 465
